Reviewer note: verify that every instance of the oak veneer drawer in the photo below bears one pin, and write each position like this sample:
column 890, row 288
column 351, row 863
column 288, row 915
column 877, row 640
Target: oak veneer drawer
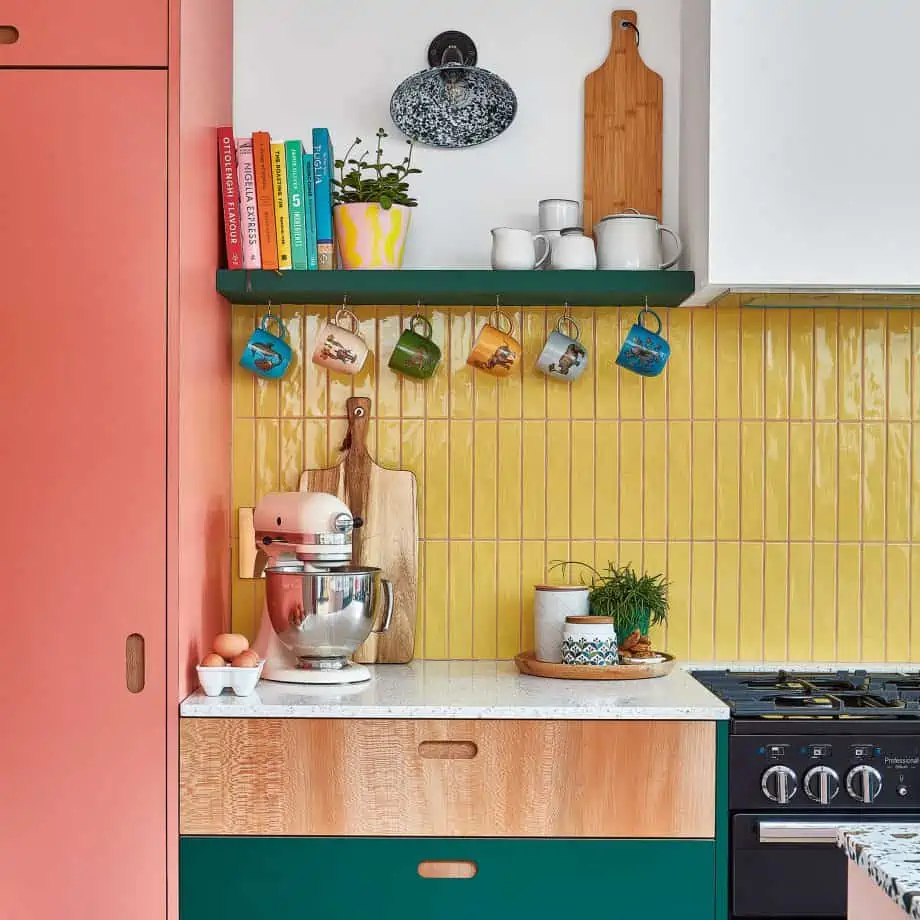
column 444, row 778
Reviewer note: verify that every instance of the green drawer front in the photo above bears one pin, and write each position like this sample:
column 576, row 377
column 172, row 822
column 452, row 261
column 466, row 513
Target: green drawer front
column 353, row 878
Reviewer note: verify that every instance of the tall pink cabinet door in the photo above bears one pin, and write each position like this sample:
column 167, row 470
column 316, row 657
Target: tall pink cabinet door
column 82, row 468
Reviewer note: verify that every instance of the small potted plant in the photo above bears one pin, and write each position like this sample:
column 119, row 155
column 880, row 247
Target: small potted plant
column 372, row 207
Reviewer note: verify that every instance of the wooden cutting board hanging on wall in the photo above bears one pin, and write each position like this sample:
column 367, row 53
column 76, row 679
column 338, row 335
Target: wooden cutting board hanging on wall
column 623, row 130
column 386, row 500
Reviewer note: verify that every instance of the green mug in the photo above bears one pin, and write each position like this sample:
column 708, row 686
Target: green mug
column 415, row 354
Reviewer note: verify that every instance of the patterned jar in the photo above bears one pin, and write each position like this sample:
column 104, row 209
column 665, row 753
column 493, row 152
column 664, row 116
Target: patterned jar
column 589, row 640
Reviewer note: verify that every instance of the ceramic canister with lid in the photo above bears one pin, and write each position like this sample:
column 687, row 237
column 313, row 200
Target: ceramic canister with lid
column 551, row 605
column 589, row 640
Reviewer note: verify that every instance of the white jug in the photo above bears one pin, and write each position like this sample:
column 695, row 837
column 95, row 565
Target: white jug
column 632, row 241
column 514, row 249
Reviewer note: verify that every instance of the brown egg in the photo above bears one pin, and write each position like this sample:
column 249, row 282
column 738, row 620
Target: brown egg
column 249, row 659
column 212, row 661
column 229, row 645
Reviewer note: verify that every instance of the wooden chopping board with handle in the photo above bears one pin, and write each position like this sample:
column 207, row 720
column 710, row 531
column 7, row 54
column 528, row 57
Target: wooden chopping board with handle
column 386, row 502
column 623, row 130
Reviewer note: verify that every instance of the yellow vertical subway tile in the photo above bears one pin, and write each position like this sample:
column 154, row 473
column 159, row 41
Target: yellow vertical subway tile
column 371, row 437
column 727, row 611
column 631, row 480
column 243, row 468
column 557, row 552
column 603, row 357
column 898, row 482
column 364, row 383
column 679, row 482
column 849, row 587
column 267, row 397
column 291, row 396
column 679, row 596
column 655, row 475
column 872, row 609
column 800, row 602
column 825, row 484
column 776, row 574
column 776, row 363
column 437, row 599
column 606, row 480
column 558, row 394
column 655, row 562
column 849, row 364
column 534, row 383
column 704, row 364
column 243, row 382
column 728, row 480
column 484, row 606
column 437, row 479
column 388, row 400
column 460, row 618
column 679, row 364
column 915, row 481
column 460, row 457
column 533, row 572
column 914, row 631
column 605, row 553
column 389, row 443
column 875, row 376
column 485, row 386
column 584, row 500
column 316, row 386
column 873, row 481
column 631, row 385
column 242, row 599
column 801, row 364
column 486, row 508
column 752, row 480
column 704, row 476
column 336, row 432
column 580, row 552
column 899, row 364
column 291, row 450
column 801, row 489
column 463, row 330
column 824, row 615
column 825, row 364
column 728, row 363
column 897, row 626
column 558, row 479
column 849, row 498
column 583, row 387
column 656, row 397
column 508, row 599
column 751, row 599
column 412, row 458
column 752, row 352
column 314, row 443
column 510, row 389
column 631, row 553
column 510, row 487
column 534, row 480
column 702, row 603
column 776, row 481
column 437, row 387
column 341, row 387
column 267, row 453
column 915, row 366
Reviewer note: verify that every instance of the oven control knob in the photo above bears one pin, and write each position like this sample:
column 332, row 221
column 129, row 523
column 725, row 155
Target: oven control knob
column 821, row 784
column 864, row 783
column 779, row 784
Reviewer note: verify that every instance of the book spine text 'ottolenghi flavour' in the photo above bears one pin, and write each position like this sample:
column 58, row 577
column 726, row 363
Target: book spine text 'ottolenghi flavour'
column 230, row 196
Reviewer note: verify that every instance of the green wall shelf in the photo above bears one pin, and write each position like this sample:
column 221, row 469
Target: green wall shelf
column 453, row 287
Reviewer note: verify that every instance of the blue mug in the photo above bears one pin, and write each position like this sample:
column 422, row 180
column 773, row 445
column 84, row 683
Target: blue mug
column 266, row 354
column 644, row 352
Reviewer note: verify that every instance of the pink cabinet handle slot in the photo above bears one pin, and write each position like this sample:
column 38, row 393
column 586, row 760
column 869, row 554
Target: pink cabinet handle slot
column 9, row 35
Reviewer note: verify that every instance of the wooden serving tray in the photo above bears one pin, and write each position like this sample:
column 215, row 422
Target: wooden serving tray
column 527, row 663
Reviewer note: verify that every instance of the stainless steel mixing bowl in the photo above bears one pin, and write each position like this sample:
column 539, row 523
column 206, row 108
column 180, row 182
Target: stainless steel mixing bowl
column 323, row 616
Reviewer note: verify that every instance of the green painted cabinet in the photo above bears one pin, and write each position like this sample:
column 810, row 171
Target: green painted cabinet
column 352, row 878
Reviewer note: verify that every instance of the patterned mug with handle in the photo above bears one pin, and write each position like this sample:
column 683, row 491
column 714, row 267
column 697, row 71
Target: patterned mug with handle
column 644, row 352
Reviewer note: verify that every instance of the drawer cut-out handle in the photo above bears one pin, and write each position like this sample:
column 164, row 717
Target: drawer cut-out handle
column 447, row 868
column 9, row 35
column 448, row 750
column 135, row 666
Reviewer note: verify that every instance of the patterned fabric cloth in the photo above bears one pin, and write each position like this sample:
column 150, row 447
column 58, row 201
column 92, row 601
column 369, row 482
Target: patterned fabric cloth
column 890, row 853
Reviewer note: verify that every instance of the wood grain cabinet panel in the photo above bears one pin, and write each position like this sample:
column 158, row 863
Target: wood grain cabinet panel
column 342, row 777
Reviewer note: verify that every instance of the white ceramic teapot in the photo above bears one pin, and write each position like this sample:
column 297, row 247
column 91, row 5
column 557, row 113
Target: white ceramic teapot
column 632, row 241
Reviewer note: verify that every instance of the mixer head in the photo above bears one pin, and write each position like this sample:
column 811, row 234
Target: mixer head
column 313, row 527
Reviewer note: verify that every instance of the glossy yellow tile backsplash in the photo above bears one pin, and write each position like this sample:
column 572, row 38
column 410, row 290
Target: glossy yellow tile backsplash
column 772, row 471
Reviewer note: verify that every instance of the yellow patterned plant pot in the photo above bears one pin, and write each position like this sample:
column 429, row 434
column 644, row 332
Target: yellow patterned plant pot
column 371, row 237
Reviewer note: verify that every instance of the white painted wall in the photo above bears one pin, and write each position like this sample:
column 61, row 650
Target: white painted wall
column 301, row 64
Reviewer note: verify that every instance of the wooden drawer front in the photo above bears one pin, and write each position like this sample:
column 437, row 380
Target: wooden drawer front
column 447, row 778
column 293, row 878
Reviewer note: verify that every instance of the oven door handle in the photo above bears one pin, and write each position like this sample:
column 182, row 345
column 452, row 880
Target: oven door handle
column 797, row 832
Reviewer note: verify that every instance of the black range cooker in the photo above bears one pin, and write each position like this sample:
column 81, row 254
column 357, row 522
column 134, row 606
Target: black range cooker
column 807, row 752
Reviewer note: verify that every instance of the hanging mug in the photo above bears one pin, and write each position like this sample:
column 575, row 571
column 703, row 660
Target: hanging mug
column 340, row 349
column 415, row 354
column 495, row 350
column 563, row 356
column 266, row 354
column 644, row 352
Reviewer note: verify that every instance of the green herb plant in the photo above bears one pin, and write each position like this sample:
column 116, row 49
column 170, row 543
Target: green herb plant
column 362, row 180
column 634, row 601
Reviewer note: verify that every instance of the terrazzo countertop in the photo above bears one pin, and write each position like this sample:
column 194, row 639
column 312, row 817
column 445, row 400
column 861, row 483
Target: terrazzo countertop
column 890, row 853
column 467, row 690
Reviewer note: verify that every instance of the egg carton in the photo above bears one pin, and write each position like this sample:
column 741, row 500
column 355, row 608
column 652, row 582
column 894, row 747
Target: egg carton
column 242, row 681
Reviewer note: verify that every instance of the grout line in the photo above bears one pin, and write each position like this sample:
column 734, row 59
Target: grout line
column 788, row 478
column 814, row 479
column 692, row 326
column 715, row 477
column 763, row 486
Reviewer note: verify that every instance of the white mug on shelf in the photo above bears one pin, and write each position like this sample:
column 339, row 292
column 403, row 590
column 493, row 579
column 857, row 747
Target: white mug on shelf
column 571, row 249
column 558, row 213
column 515, row 250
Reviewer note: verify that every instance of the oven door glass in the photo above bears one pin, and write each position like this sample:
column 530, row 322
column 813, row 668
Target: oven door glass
column 788, row 865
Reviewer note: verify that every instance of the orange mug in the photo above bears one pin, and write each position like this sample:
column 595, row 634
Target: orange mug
column 495, row 350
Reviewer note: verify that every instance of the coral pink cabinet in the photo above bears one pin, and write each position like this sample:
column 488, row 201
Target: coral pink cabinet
column 83, row 245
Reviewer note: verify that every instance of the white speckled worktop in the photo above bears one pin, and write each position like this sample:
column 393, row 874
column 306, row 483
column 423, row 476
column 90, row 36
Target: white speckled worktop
column 468, row 690
column 890, row 854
